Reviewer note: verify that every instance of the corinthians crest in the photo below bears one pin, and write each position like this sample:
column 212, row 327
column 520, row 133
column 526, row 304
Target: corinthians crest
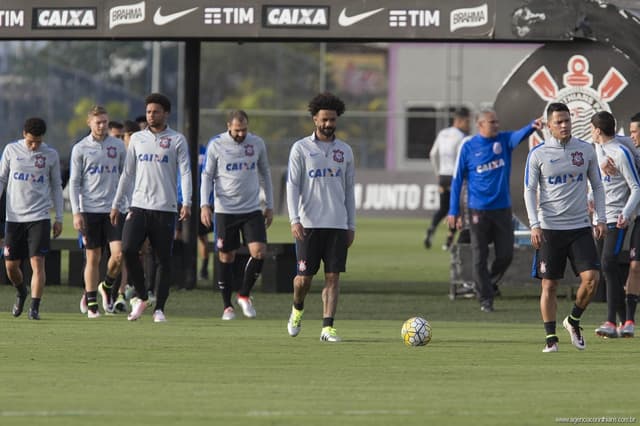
column 578, row 93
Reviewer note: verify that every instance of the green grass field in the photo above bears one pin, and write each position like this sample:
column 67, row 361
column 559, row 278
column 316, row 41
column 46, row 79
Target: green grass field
column 479, row 369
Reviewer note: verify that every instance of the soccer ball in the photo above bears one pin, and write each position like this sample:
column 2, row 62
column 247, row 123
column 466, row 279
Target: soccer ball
column 416, row 331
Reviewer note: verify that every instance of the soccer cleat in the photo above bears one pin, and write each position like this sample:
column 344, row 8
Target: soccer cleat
column 608, row 330
column 329, row 334
column 228, row 313
column 487, row 307
column 550, row 347
column 628, row 329
column 83, row 304
column 427, row 239
column 577, row 339
column 91, row 314
column 18, row 307
column 121, row 304
column 107, row 301
column 151, row 298
column 137, row 308
column 34, row 314
column 247, row 307
column 158, row 316
column 295, row 322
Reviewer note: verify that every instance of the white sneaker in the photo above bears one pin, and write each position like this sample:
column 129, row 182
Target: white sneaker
column 158, row 316
column 228, row 314
column 137, row 308
column 91, row 314
column 577, row 339
column 83, row 304
column 550, row 348
column 247, row 307
column 295, row 322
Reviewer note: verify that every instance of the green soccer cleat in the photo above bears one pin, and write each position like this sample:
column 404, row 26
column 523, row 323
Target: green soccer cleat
column 295, row 322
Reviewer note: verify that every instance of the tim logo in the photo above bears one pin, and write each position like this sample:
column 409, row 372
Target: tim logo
column 111, row 152
column 165, row 142
column 249, row 151
column 576, row 159
column 40, row 161
column 338, row 156
column 578, row 92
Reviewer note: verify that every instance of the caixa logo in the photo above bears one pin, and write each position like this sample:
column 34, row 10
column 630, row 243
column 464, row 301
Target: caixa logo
column 295, row 17
column 64, row 18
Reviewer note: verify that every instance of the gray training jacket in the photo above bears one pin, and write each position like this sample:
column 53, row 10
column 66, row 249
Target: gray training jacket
column 321, row 184
column 94, row 174
column 561, row 173
column 33, row 183
column 151, row 166
column 233, row 172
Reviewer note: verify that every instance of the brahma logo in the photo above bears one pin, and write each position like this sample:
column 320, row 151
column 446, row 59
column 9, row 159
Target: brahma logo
column 578, row 94
column 68, row 19
column 469, row 17
column 295, row 16
column 127, row 14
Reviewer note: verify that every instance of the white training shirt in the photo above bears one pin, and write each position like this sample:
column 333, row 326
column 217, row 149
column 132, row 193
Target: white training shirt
column 445, row 149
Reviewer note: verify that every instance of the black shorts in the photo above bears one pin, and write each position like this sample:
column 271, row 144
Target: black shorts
column 204, row 230
column 321, row 244
column 228, row 227
column 27, row 239
column 577, row 245
column 634, row 242
column 99, row 230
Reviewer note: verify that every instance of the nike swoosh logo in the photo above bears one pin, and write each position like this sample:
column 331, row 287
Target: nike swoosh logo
column 313, row 154
column 347, row 21
column 553, row 160
column 160, row 19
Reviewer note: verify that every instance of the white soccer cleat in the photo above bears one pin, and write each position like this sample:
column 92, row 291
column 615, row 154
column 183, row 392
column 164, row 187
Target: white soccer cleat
column 550, row 347
column 228, row 313
column 247, row 307
column 105, row 294
column 577, row 339
column 608, row 330
column 158, row 316
column 83, row 304
column 295, row 322
column 137, row 308
column 91, row 314
column 329, row 334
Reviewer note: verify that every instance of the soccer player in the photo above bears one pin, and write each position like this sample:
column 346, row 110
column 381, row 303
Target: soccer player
column 555, row 195
column 153, row 159
column 622, row 194
column 321, row 203
column 96, row 163
column 443, row 156
column 30, row 172
column 236, row 162
column 484, row 161
column 634, row 129
column 203, row 231
column 116, row 129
